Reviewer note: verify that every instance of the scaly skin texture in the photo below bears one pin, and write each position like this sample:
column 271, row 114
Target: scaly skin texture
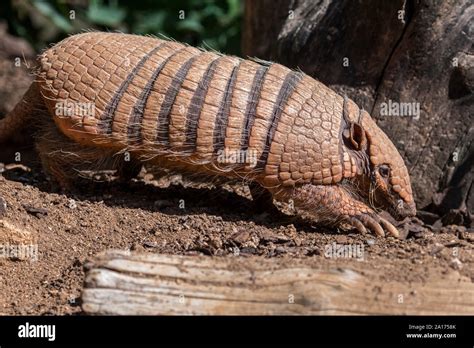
column 171, row 105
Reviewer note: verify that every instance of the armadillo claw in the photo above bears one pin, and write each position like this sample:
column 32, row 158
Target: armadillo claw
column 389, row 227
column 359, row 226
column 374, row 223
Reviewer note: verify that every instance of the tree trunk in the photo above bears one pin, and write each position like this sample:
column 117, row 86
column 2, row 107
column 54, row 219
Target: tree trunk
column 388, row 53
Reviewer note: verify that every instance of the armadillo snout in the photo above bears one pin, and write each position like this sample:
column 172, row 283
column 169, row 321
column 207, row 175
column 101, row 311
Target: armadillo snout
column 404, row 209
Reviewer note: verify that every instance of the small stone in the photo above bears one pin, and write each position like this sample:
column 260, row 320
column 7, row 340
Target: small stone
column 453, row 243
column 72, row 204
column 456, row 264
column 249, row 250
column 3, row 207
column 268, row 236
column 468, row 236
column 341, row 240
column 437, row 225
column 291, row 229
column 313, row 251
column 240, row 237
column 297, row 241
column 437, row 247
column 183, row 219
column 38, row 212
column 72, row 230
column 370, row 241
column 137, row 247
column 235, row 251
column 215, row 242
column 151, row 245
column 281, row 238
column 281, row 250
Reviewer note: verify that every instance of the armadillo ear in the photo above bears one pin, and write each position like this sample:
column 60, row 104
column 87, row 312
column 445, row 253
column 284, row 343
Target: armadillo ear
column 355, row 136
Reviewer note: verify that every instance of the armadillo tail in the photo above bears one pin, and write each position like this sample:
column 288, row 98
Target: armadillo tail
column 18, row 119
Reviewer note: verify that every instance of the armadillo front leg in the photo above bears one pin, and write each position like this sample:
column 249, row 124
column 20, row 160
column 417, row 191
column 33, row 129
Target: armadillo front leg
column 334, row 205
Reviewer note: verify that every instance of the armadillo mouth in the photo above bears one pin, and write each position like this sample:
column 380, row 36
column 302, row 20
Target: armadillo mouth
column 397, row 211
column 404, row 210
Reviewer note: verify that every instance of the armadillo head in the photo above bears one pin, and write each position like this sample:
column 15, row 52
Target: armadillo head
column 389, row 180
column 384, row 180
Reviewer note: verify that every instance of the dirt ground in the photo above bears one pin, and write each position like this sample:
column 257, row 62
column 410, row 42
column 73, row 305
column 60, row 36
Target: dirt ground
column 172, row 215
column 148, row 215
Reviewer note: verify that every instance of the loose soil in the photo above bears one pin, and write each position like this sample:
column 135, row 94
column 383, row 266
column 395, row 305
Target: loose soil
column 174, row 216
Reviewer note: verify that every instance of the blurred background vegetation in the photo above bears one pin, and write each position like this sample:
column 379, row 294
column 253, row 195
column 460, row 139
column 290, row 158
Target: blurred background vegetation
column 210, row 23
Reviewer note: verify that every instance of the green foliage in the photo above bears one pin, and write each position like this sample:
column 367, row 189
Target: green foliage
column 210, row 23
column 106, row 15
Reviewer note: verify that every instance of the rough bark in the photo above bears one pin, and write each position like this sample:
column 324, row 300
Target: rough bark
column 403, row 51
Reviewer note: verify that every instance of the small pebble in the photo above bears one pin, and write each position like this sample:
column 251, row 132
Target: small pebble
column 240, row 237
column 342, row 240
column 437, row 247
column 280, row 250
column 249, row 250
column 38, row 212
column 72, row 204
column 137, row 247
column 215, row 242
column 437, row 225
column 3, row 207
column 456, row 264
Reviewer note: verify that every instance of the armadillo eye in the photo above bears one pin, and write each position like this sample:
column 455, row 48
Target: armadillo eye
column 384, row 171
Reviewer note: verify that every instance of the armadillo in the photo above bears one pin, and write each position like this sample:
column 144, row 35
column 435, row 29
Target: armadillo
column 171, row 105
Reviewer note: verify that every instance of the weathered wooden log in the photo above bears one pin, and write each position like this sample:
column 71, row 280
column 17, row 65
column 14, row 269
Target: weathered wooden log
column 16, row 243
column 123, row 283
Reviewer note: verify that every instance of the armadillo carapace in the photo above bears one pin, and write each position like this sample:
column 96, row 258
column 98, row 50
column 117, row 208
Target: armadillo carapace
column 172, row 105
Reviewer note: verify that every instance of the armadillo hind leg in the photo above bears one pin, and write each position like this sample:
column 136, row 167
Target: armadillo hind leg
column 334, row 205
column 30, row 108
column 56, row 167
column 63, row 160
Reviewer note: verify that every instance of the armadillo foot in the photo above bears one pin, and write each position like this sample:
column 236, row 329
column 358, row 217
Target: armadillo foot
column 334, row 205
